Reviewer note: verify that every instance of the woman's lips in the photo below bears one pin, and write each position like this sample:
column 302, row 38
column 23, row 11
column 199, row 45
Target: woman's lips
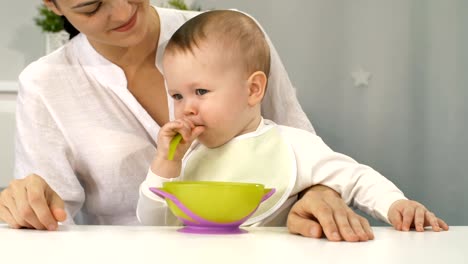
column 127, row 26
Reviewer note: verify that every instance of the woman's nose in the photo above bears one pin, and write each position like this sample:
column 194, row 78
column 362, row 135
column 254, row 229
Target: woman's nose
column 121, row 10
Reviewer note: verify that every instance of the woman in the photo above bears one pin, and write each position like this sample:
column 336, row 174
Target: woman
column 88, row 115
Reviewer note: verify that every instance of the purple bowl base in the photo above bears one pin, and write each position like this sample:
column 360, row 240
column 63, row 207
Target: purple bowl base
column 212, row 230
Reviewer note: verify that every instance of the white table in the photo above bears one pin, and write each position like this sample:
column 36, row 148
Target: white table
column 164, row 245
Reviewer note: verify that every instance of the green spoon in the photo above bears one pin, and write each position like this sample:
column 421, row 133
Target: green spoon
column 173, row 145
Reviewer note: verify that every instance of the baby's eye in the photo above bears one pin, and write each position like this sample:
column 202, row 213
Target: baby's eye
column 201, row 91
column 177, row 97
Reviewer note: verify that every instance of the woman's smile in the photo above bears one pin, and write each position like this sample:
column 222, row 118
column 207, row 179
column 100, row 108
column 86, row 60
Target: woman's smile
column 128, row 25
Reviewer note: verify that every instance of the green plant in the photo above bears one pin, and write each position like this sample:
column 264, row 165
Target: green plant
column 180, row 4
column 48, row 21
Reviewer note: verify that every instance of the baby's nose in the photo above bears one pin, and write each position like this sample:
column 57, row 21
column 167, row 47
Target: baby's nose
column 190, row 108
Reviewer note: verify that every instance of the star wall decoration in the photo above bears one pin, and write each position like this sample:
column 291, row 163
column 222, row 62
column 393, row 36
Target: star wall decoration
column 361, row 78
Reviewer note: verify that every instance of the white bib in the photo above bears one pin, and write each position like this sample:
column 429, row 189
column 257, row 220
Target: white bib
column 261, row 157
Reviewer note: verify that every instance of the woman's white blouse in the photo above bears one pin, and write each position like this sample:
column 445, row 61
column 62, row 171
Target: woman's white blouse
column 80, row 128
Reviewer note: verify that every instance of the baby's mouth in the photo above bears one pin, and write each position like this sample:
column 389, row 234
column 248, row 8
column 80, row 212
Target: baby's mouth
column 196, row 123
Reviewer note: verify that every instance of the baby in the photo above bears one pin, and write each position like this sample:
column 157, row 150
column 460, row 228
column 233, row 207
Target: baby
column 216, row 68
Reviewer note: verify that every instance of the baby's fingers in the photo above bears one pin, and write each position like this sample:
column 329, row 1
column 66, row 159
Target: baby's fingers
column 435, row 223
column 419, row 218
column 196, row 132
column 408, row 218
column 185, row 129
column 442, row 224
column 170, row 129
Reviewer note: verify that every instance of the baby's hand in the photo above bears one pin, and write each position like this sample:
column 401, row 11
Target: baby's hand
column 404, row 214
column 184, row 127
column 161, row 164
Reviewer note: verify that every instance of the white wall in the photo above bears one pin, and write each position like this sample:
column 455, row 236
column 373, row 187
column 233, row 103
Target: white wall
column 409, row 123
column 21, row 40
column 7, row 123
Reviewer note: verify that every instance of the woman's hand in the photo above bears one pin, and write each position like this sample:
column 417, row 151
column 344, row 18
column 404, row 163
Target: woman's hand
column 31, row 203
column 404, row 214
column 321, row 210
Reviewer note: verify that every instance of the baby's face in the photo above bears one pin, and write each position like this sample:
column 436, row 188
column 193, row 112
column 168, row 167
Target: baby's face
column 211, row 92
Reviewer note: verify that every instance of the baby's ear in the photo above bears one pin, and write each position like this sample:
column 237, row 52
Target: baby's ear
column 257, row 85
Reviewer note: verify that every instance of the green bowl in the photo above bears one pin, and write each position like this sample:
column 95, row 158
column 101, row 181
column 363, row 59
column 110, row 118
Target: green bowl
column 217, row 202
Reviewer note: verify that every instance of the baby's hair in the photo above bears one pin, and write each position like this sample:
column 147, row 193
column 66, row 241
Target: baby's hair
column 238, row 34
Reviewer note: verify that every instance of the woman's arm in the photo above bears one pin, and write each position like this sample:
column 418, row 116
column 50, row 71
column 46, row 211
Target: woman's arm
column 31, row 203
column 41, row 151
column 320, row 210
column 280, row 103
